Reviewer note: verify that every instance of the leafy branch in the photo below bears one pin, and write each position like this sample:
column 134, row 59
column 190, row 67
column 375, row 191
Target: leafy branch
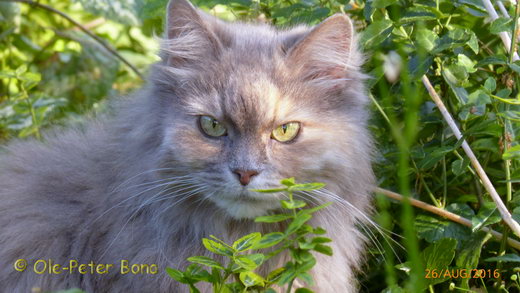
column 244, row 256
column 82, row 28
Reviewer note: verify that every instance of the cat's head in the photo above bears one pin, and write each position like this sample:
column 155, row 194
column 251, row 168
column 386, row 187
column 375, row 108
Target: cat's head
column 248, row 105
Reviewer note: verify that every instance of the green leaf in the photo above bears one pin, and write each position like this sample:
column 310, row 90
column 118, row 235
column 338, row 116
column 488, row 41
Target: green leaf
column 488, row 214
column 432, row 229
column 123, row 11
column 206, row 261
column 306, row 186
column 245, row 262
column 288, row 182
column 250, row 279
column 501, row 24
column 504, row 258
column 269, row 240
column 468, row 257
column 453, row 39
column 247, row 241
column 297, row 223
column 321, row 240
column 216, row 247
column 273, row 218
column 286, row 276
column 274, row 275
column 490, row 84
column 272, row 190
column 468, row 64
column 325, row 249
column 382, row 3
column 439, row 256
column 307, row 278
column 512, row 153
column 291, row 205
column 415, row 14
column 458, row 167
column 176, row 275
column 426, row 39
column 377, row 32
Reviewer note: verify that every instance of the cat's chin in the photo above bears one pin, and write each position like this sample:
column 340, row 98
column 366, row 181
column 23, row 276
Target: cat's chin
column 243, row 208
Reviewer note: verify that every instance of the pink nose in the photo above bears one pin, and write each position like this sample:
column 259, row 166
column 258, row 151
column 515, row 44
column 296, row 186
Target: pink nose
column 245, row 176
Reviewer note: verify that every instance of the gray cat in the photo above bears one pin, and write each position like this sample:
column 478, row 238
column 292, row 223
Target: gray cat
column 231, row 107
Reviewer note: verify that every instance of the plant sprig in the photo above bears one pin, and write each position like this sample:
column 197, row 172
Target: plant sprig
column 245, row 255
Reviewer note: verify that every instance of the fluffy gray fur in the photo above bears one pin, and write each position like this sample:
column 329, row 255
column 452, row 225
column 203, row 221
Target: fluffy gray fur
column 145, row 184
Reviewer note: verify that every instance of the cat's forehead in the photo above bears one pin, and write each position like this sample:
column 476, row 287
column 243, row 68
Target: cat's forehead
column 247, row 99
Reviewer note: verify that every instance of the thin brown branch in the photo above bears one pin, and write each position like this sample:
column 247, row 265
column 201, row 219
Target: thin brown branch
column 445, row 214
column 82, row 28
column 506, row 216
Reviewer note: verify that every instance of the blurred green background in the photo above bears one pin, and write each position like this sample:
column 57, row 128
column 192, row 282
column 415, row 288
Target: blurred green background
column 52, row 73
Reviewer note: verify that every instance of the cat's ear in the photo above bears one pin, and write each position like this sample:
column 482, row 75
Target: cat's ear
column 189, row 35
column 328, row 53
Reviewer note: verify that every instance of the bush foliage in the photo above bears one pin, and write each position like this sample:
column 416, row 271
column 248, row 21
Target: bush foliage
column 51, row 72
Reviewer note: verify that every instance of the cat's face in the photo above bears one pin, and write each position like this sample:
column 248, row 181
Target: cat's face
column 251, row 105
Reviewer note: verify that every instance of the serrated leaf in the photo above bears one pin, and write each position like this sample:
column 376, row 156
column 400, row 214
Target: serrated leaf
column 247, row 241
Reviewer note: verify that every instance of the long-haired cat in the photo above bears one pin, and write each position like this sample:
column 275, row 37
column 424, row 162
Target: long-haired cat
column 231, row 107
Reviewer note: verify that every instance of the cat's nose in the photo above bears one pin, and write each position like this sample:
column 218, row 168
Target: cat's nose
column 245, row 176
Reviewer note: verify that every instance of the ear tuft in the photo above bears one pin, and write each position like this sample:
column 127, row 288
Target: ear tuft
column 328, row 53
column 188, row 38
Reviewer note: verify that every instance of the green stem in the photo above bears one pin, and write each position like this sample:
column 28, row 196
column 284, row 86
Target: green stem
column 289, row 287
column 515, row 32
column 31, row 109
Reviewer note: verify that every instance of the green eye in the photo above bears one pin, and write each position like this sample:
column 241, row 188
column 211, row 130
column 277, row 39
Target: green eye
column 286, row 132
column 211, row 126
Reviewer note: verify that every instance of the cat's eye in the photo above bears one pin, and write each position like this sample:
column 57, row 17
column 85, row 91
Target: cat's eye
column 286, row 132
column 211, row 126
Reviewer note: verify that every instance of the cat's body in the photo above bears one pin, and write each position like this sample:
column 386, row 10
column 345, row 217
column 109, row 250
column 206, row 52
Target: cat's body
column 147, row 184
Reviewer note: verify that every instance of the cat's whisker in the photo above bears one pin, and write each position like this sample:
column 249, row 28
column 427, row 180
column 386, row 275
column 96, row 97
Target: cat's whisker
column 140, row 174
column 136, row 195
column 135, row 213
column 369, row 233
column 383, row 232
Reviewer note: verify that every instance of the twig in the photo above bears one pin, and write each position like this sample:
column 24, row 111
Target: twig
column 506, row 216
column 82, row 28
column 446, row 214
column 506, row 39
